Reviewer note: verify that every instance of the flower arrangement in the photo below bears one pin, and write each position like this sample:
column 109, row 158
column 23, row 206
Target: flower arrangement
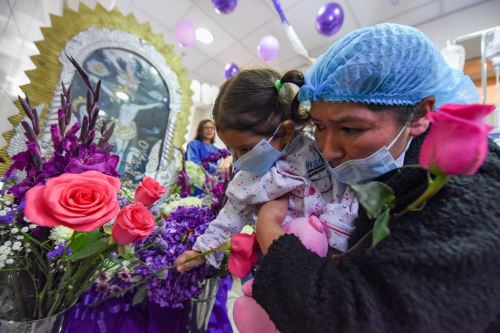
column 71, row 232
column 180, row 219
column 57, row 234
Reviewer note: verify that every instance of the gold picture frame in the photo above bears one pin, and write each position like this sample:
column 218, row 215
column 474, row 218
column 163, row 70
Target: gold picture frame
column 45, row 79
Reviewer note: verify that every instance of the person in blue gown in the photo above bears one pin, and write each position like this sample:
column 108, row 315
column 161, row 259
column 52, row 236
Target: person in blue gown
column 203, row 144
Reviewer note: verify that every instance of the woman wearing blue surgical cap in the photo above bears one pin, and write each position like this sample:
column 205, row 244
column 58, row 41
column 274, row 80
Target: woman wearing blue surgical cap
column 439, row 269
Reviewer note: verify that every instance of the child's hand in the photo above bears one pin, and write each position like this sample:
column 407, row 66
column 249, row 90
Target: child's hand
column 184, row 264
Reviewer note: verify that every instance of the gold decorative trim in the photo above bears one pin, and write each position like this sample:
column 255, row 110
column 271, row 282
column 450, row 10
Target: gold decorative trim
column 45, row 76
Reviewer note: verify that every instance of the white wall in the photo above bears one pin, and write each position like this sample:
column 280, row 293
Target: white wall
column 471, row 19
column 20, row 22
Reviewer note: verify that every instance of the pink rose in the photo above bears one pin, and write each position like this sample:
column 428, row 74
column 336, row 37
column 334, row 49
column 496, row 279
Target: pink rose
column 82, row 202
column 133, row 223
column 149, row 191
column 457, row 142
column 243, row 254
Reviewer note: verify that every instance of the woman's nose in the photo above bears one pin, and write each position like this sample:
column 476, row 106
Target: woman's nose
column 330, row 148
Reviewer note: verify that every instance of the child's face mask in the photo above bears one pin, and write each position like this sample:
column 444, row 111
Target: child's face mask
column 261, row 158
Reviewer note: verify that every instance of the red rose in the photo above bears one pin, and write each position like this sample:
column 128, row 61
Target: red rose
column 243, row 254
column 149, row 191
column 133, row 223
column 82, row 202
column 457, row 143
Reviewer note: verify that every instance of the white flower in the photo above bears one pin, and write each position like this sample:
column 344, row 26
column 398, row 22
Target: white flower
column 196, row 174
column 7, row 244
column 17, row 246
column 61, row 233
column 248, row 229
column 24, row 229
column 14, row 231
column 188, row 201
column 9, row 261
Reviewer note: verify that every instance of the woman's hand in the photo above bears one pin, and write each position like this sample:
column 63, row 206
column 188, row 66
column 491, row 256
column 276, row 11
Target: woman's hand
column 184, row 264
column 268, row 227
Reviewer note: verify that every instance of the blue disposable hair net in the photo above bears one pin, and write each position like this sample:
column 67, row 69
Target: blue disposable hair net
column 387, row 64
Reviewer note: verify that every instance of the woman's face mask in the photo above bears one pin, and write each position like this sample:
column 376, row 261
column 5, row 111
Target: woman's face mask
column 359, row 171
column 261, row 158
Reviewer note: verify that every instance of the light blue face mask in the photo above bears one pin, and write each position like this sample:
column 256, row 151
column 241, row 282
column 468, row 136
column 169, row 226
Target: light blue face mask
column 261, row 158
column 363, row 170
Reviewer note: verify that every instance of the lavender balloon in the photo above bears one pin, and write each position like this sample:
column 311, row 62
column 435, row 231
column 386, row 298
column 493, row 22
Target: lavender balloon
column 185, row 34
column 230, row 70
column 329, row 19
column 224, row 6
column 268, row 48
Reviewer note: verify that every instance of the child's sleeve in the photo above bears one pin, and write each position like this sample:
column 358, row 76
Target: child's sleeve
column 256, row 190
column 230, row 220
column 245, row 194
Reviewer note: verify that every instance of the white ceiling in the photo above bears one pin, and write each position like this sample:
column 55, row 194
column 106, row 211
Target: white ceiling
column 237, row 34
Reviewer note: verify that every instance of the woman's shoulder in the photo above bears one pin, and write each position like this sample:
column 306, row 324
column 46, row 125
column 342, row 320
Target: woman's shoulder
column 195, row 142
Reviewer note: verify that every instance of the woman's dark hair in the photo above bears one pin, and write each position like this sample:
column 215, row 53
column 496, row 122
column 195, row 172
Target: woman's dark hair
column 250, row 101
column 199, row 130
column 404, row 113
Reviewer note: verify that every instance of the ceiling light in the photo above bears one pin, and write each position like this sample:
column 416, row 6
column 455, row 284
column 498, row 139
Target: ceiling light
column 204, row 35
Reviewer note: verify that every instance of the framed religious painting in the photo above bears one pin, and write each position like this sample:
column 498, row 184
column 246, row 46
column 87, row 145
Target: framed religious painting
column 144, row 88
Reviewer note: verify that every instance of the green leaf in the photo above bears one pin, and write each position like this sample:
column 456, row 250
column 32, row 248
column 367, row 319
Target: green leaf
column 140, row 295
column 381, row 228
column 86, row 244
column 136, row 278
column 374, row 197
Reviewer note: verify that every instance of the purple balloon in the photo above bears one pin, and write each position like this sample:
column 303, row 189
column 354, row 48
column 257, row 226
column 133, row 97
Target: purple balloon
column 268, row 48
column 224, row 6
column 329, row 19
column 185, row 33
column 230, row 70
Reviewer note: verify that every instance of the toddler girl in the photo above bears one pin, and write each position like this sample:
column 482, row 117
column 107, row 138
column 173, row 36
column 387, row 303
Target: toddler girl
column 258, row 118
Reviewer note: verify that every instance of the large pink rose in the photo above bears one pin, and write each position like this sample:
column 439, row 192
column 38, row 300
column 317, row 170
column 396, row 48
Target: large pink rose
column 243, row 254
column 82, row 202
column 457, row 142
column 149, row 191
column 133, row 223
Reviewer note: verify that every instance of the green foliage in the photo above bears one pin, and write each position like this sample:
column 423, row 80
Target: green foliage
column 378, row 200
column 86, row 244
column 381, row 228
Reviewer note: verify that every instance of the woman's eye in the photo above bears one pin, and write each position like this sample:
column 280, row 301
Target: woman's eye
column 349, row 130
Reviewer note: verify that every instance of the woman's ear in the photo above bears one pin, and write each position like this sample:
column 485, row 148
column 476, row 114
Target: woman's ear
column 420, row 124
column 287, row 131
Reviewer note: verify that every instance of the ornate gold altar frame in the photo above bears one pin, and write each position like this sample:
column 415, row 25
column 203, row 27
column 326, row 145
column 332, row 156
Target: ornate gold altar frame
column 67, row 33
